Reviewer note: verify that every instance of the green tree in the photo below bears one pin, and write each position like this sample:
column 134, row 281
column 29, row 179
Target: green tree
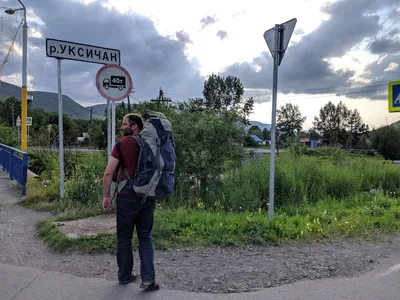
column 10, row 109
column 338, row 124
column 331, row 121
column 386, row 141
column 98, row 134
column 6, row 136
column 205, row 143
column 255, row 130
column 266, row 134
column 37, row 131
column 355, row 127
column 289, row 121
column 82, row 125
column 224, row 95
column 70, row 130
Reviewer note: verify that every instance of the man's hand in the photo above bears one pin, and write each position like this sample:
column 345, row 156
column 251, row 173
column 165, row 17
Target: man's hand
column 107, row 203
column 107, row 179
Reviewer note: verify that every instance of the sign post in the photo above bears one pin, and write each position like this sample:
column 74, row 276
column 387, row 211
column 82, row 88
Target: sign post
column 18, row 123
column 28, row 124
column 277, row 39
column 81, row 52
column 108, row 129
column 114, row 83
column 394, row 96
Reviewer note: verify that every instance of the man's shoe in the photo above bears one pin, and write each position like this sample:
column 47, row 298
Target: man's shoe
column 132, row 279
column 150, row 287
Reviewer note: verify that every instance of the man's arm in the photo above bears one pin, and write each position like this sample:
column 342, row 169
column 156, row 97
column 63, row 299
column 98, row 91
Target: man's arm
column 108, row 174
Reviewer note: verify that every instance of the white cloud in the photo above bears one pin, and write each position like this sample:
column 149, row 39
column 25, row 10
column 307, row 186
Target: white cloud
column 165, row 43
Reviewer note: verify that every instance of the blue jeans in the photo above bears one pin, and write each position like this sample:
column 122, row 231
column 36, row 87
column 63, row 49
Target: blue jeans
column 131, row 212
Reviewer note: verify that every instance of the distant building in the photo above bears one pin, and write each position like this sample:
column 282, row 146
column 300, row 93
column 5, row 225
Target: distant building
column 257, row 139
column 310, row 143
column 83, row 138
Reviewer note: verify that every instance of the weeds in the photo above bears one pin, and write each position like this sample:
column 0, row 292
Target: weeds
column 326, row 194
column 176, row 228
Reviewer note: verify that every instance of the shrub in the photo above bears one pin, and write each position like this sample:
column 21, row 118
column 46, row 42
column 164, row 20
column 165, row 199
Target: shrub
column 85, row 184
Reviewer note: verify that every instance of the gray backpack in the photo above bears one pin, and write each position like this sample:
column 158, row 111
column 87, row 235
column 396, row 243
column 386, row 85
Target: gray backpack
column 155, row 174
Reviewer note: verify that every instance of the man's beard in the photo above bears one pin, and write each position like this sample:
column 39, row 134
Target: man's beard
column 127, row 132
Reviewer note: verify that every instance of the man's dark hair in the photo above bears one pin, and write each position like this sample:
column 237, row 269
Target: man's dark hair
column 135, row 119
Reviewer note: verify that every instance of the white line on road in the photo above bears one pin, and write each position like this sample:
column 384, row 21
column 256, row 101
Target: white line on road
column 391, row 270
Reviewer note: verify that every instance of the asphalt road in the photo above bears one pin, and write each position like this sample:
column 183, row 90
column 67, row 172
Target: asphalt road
column 22, row 283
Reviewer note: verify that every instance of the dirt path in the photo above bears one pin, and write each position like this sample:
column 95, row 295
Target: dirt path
column 210, row 270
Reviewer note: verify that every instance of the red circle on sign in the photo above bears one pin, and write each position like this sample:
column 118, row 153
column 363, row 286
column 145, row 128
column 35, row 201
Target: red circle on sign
column 98, row 85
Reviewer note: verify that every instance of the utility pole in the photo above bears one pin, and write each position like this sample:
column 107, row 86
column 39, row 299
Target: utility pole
column 161, row 98
column 129, row 101
column 129, row 104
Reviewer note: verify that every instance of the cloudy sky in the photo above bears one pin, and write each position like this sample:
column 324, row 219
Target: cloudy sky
column 341, row 50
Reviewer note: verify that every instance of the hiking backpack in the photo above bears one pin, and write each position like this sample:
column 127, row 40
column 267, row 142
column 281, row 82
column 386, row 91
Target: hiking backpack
column 154, row 177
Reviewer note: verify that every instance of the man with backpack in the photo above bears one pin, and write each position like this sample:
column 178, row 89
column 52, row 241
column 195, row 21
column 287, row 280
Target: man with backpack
column 133, row 208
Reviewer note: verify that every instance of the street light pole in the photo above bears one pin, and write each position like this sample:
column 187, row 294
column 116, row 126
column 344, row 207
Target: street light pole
column 24, row 90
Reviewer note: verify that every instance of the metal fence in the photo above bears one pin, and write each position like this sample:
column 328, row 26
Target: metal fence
column 15, row 163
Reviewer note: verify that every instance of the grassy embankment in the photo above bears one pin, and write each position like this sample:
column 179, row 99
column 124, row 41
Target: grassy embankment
column 325, row 194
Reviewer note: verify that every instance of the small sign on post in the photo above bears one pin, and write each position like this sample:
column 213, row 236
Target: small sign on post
column 114, row 83
column 394, row 96
column 28, row 121
column 18, row 122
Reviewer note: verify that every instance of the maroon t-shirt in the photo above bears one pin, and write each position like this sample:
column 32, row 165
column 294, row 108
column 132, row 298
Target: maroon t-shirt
column 127, row 155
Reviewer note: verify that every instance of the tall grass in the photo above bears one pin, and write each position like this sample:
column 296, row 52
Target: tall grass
column 85, row 184
column 299, row 179
column 307, row 179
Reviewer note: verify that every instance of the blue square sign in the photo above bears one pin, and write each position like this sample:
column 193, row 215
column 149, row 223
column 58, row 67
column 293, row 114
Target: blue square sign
column 394, row 96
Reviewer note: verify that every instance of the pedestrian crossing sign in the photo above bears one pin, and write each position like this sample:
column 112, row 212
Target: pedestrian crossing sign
column 394, row 96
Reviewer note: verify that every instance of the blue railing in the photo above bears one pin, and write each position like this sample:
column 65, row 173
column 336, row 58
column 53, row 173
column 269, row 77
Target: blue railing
column 15, row 163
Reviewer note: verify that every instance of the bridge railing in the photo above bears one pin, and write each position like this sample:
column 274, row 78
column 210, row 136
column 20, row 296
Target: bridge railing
column 15, row 163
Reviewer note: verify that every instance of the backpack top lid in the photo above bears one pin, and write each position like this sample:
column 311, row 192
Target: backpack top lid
column 150, row 113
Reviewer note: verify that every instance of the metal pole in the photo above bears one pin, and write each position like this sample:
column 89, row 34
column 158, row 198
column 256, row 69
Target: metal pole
column 273, row 125
column 60, row 129
column 13, row 122
column 24, row 90
column 113, row 125
column 108, row 130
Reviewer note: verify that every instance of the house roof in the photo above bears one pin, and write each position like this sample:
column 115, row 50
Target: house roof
column 256, row 138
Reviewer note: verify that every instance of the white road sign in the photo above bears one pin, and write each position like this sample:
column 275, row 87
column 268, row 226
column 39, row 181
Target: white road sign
column 18, row 122
column 286, row 32
column 82, row 52
column 113, row 82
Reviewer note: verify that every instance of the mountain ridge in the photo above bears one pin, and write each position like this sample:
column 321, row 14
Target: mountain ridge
column 48, row 101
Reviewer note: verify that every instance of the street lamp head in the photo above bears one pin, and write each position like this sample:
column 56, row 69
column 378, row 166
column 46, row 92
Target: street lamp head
column 10, row 11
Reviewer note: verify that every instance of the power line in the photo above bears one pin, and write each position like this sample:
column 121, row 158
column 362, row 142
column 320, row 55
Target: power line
column 11, row 47
column 343, row 88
